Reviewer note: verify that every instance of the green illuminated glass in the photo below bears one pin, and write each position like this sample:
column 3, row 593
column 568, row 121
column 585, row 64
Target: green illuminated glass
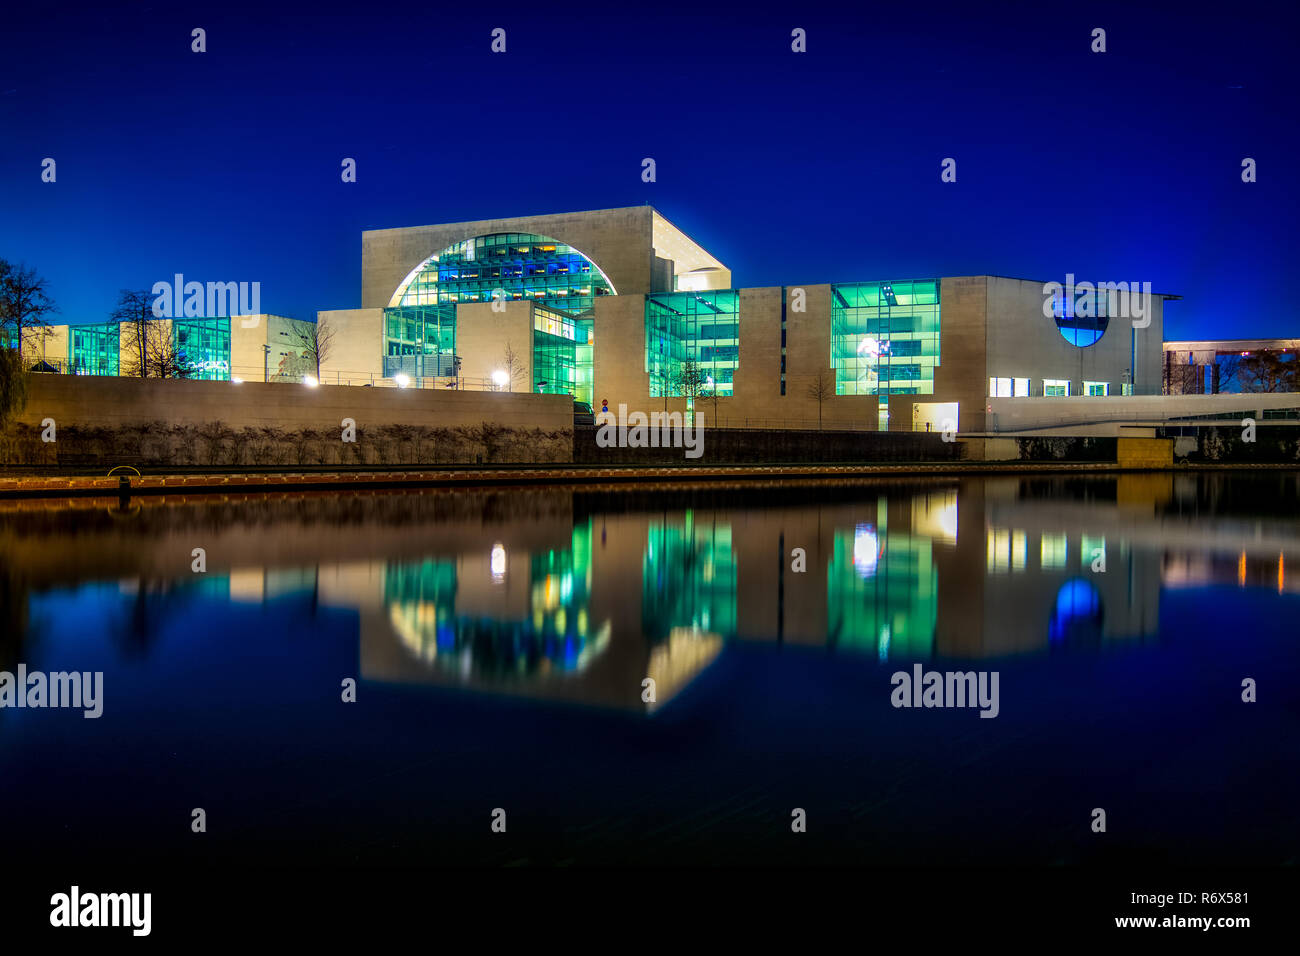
column 94, row 349
column 688, row 578
column 522, row 265
column 203, row 348
column 562, row 348
column 698, row 327
column 885, row 337
column 882, row 591
column 420, row 342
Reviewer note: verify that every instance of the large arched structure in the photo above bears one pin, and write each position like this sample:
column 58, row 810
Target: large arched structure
column 523, row 265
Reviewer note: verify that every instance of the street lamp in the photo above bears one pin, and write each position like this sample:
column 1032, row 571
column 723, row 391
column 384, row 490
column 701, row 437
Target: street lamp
column 500, row 378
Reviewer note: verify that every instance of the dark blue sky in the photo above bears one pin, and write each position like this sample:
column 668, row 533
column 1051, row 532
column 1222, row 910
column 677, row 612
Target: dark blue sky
column 790, row 168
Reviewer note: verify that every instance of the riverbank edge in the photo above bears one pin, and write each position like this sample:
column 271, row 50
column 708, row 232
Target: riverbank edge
column 36, row 486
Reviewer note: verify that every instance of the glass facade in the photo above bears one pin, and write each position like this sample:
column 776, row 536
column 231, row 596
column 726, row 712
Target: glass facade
column 699, row 327
column 203, row 348
column 420, row 342
column 524, row 266
column 885, row 337
column 1081, row 317
column 94, row 349
column 563, row 343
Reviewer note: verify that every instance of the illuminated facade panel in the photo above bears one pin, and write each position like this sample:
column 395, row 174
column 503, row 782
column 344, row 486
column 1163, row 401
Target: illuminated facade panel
column 522, row 265
column 420, row 342
column 94, row 349
column 885, row 337
column 692, row 342
column 203, row 348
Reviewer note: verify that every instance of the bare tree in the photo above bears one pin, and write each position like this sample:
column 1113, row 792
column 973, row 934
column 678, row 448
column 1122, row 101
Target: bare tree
column 316, row 342
column 24, row 303
column 821, row 389
column 150, row 350
column 689, row 382
column 513, row 366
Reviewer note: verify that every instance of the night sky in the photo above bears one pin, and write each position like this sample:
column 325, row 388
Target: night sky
column 791, row 168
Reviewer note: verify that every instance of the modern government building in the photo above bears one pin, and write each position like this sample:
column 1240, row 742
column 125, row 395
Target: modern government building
column 621, row 306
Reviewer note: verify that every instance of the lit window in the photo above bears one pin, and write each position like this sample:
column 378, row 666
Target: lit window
column 1096, row 388
column 1056, row 387
column 1000, row 388
column 1020, row 386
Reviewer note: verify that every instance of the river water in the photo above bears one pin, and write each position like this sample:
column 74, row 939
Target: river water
column 504, row 646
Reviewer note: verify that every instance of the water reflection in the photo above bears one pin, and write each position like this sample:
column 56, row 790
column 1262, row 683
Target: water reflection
column 581, row 595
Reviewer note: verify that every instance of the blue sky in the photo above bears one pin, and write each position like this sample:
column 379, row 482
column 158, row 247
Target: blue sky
column 791, row 168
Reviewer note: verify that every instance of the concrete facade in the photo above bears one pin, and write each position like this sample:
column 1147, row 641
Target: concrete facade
column 624, row 243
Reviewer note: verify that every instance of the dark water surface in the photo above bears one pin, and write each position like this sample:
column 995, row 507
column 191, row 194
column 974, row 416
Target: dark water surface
column 500, row 640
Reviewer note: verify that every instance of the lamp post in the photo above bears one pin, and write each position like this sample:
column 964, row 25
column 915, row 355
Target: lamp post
column 266, row 363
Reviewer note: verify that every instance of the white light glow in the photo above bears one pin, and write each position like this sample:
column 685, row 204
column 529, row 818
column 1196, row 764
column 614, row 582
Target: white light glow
column 501, row 378
column 310, row 381
column 402, row 380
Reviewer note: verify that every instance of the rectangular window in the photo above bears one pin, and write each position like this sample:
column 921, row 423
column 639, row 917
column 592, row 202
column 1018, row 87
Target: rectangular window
column 1056, row 387
column 1020, row 387
column 1000, row 388
column 1126, row 389
column 1096, row 388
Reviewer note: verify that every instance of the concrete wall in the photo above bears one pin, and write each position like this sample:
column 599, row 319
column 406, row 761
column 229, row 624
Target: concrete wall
column 1023, row 343
column 482, row 337
column 356, row 354
column 103, row 401
column 619, row 241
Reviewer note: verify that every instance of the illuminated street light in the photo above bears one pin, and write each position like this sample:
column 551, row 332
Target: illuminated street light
column 402, row 380
column 501, row 378
column 310, row 381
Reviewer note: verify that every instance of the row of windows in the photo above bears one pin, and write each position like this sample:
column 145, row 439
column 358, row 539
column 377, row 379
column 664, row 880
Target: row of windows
column 1052, row 388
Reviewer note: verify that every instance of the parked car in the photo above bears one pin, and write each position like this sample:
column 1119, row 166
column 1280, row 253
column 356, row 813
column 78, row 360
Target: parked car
column 583, row 415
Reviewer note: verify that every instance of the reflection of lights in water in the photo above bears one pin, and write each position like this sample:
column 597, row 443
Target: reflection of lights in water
column 866, row 550
column 1077, row 612
column 884, row 642
column 498, row 562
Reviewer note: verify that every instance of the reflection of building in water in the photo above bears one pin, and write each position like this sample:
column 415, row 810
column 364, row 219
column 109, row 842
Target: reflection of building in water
column 553, row 633
column 1060, row 572
column 688, row 578
column 882, row 590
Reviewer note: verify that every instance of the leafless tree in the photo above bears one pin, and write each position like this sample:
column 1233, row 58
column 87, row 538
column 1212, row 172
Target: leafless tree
column 821, row 389
column 24, row 304
column 316, row 342
column 513, row 366
column 150, row 344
